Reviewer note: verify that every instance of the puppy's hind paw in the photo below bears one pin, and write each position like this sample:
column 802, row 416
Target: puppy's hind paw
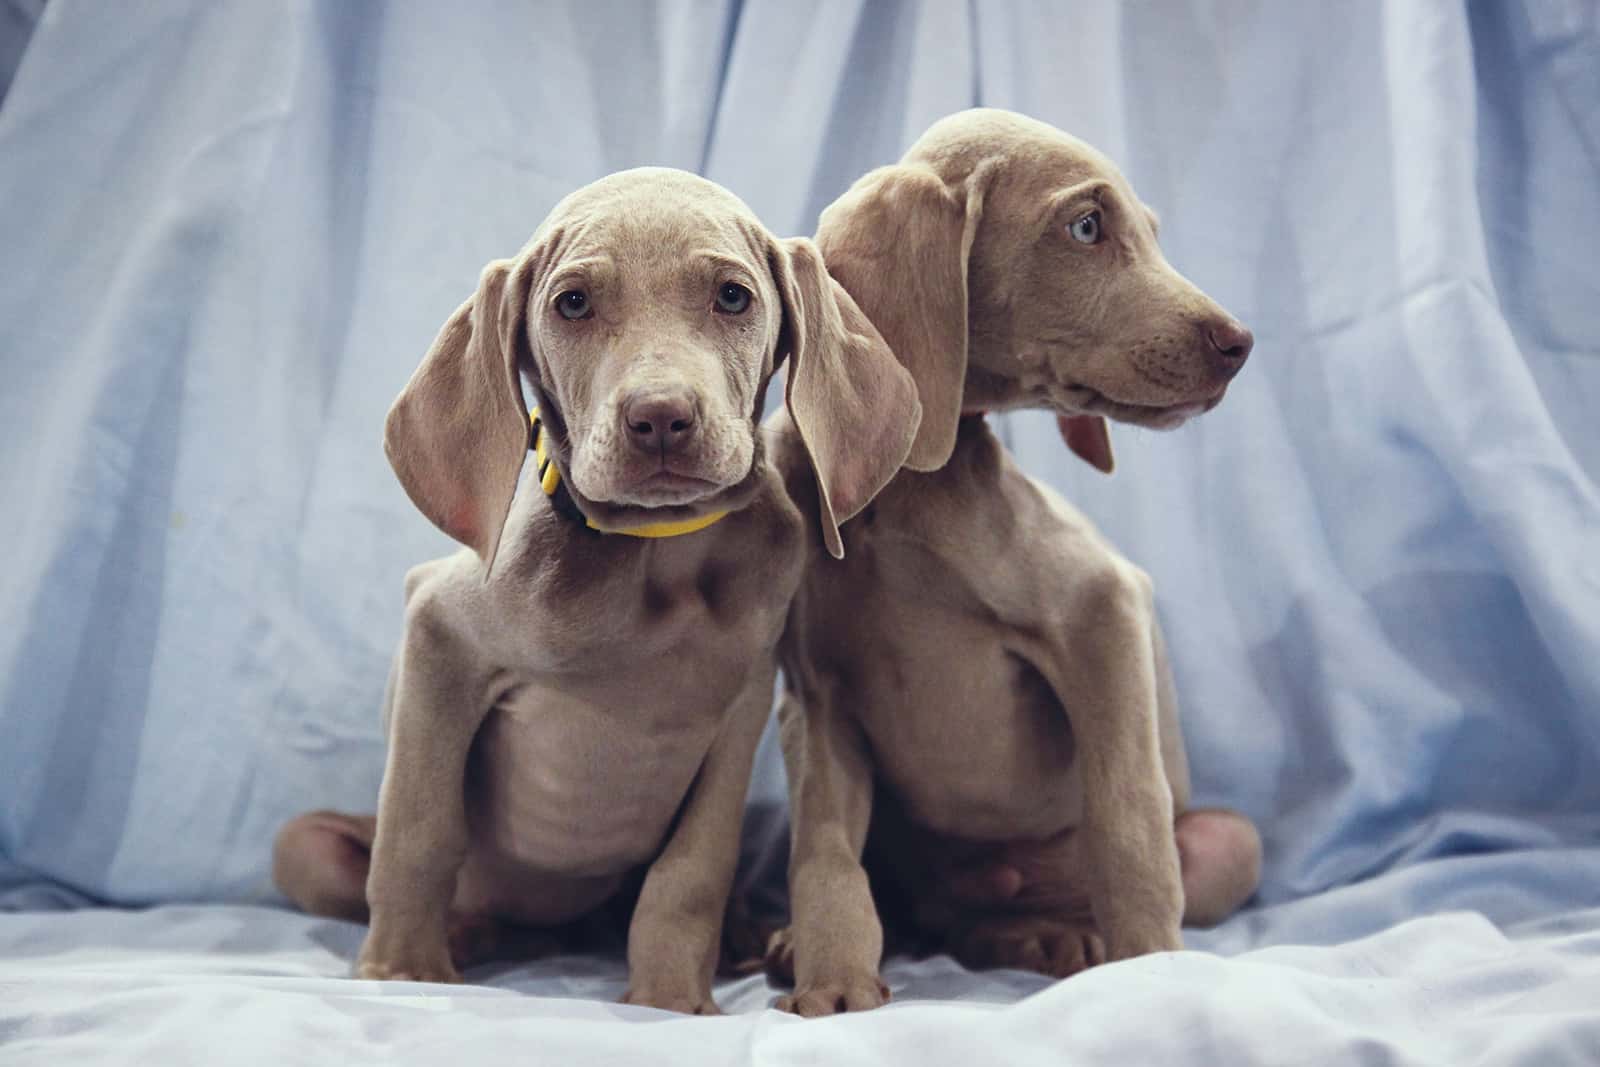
column 779, row 959
column 1053, row 947
column 745, row 942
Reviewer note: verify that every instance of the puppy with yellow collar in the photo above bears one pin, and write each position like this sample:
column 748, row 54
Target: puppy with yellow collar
column 570, row 705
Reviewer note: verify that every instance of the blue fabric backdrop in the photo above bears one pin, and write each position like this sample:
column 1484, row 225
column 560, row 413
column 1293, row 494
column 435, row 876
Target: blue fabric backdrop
column 229, row 230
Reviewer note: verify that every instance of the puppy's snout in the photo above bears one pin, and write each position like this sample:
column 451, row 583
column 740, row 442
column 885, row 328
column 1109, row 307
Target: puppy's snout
column 660, row 420
column 1231, row 342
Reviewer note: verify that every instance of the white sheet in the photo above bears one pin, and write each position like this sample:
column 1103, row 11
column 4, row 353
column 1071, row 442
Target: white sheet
column 238, row 985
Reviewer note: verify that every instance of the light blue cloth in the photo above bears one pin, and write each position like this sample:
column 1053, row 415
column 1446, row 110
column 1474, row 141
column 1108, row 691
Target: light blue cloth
column 229, row 230
column 245, row 986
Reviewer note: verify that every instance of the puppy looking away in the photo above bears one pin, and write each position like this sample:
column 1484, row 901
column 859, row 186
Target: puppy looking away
column 579, row 691
column 981, row 682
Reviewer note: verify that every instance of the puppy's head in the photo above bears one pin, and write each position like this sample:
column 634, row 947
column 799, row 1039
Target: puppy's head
column 647, row 315
column 1004, row 237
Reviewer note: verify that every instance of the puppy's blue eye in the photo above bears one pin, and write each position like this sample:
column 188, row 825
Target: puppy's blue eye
column 1086, row 228
column 732, row 299
column 574, row 304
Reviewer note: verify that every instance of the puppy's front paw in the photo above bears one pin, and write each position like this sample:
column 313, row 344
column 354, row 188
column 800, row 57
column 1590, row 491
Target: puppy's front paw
column 1039, row 943
column 388, row 959
column 682, row 1001
column 408, row 971
column 856, row 993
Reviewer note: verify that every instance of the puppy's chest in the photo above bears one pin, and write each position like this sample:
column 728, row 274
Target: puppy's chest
column 966, row 536
column 620, row 602
column 561, row 783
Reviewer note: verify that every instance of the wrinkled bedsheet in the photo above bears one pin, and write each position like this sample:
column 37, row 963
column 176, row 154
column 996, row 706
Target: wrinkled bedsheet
column 240, row 985
column 228, row 230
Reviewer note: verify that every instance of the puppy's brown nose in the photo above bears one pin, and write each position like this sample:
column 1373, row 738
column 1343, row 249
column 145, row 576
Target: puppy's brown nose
column 660, row 421
column 1231, row 342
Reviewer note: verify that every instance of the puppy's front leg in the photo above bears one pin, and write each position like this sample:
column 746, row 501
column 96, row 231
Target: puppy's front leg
column 835, row 932
column 676, row 930
column 437, row 702
column 1106, row 670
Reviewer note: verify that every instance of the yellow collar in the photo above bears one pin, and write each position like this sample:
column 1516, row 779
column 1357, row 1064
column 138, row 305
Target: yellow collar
column 561, row 497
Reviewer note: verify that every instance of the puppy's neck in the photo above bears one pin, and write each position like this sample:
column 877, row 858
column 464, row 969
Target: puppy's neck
column 986, row 390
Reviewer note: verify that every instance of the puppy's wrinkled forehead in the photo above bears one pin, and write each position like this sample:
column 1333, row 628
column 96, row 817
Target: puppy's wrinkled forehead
column 653, row 215
column 1039, row 159
column 955, row 145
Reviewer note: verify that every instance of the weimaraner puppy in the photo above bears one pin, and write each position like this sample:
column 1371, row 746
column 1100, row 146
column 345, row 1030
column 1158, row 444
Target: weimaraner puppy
column 579, row 691
column 979, row 684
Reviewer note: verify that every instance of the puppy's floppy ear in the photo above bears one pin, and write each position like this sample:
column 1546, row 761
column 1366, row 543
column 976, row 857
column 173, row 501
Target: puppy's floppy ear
column 898, row 241
column 854, row 405
column 458, row 432
column 1090, row 438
